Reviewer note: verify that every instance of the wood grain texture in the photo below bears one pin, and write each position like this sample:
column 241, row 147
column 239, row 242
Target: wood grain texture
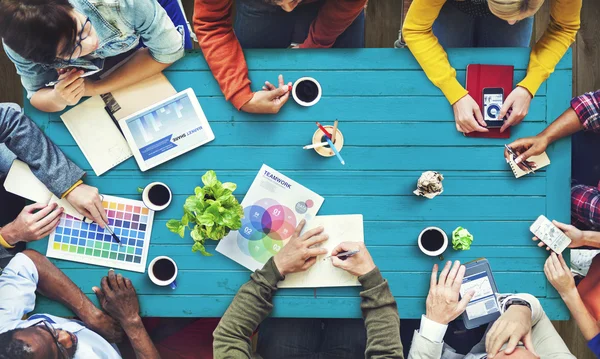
column 389, row 142
column 382, row 23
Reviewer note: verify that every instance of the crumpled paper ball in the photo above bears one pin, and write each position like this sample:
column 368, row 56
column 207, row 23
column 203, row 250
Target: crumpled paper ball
column 461, row 239
column 429, row 184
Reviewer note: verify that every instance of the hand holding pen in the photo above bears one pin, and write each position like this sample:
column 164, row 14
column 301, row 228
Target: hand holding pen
column 524, row 165
column 357, row 260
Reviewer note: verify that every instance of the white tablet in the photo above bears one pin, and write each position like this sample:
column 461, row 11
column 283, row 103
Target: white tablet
column 166, row 129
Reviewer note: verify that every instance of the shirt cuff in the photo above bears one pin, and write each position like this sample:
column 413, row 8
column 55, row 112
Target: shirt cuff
column 532, row 83
column 242, row 97
column 4, row 243
column 453, row 90
column 271, row 273
column 431, row 330
column 594, row 344
column 71, row 189
column 371, row 279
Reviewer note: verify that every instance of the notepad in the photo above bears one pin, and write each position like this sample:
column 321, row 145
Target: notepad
column 536, row 162
column 22, row 182
column 93, row 123
column 342, row 228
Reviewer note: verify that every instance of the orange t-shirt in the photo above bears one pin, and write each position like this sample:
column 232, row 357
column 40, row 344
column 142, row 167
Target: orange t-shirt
column 213, row 26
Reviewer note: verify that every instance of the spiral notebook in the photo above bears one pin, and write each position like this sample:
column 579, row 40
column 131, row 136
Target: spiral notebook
column 535, row 163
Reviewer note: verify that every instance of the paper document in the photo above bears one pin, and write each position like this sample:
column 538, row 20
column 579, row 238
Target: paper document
column 98, row 135
column 535, row 163
column 273, row 207
column 345, row 228
column 22, row 182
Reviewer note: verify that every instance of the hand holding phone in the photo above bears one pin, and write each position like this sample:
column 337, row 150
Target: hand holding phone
column 549, row 234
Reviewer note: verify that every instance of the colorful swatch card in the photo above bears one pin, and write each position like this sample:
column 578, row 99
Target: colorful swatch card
column 78, row 241
column 273, row 207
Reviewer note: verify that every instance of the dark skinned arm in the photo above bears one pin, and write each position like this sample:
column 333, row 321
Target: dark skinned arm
column 119, row 299
column 55, row 285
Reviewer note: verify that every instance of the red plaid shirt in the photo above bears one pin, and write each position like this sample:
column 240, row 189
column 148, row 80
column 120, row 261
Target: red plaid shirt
column 585, row 200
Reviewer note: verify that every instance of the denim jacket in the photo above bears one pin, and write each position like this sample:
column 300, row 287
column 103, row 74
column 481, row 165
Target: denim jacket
column 21, row 138
column 120, row 24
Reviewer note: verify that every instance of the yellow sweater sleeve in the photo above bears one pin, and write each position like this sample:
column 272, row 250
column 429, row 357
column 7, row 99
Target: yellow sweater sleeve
column 418, row 35
column 564, row 23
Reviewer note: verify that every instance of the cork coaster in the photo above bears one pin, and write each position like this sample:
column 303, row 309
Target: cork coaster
column 325, row 151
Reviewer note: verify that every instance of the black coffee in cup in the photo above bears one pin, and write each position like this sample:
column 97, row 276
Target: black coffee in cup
column 307, row 91
column 432, row 240
column 159, row 195
column 163, row 269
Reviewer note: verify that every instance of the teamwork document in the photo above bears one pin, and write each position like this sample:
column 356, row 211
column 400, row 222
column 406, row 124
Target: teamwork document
column 344, row 228
column 484, row 301
column 273, row 207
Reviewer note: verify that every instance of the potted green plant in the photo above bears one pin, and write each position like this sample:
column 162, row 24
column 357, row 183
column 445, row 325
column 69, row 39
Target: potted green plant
column 210, row 213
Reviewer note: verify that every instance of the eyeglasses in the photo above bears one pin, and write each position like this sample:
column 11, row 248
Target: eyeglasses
column 83, row 34
column 50, row 329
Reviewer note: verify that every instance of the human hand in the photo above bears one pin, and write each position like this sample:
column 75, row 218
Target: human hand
column 104, row 324
column 468, row 115
column 90, row 87
column 576, row 235
column 119, row 299
column 300, row 252
column 559, row 274
column 270, row 99
column 442, row 305
column 359, row 264
column 86, row 200
column 70, row 87
column 527, row 147
column 518, row 102
column 35, row 222
column 514, row 325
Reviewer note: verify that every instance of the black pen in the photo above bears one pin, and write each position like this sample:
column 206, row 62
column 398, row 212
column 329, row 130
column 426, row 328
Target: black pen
column 112, row 233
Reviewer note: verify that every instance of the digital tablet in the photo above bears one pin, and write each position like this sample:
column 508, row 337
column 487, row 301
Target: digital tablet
column 483, row 308
column 166, row 129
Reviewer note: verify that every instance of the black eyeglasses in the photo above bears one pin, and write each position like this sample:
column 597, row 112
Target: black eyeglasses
column 50, row 329
column 81, row 36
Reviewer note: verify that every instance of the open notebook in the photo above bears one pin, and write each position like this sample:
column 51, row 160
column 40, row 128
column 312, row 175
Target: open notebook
column 94, row 122
column 535, row 162
column 344, row 228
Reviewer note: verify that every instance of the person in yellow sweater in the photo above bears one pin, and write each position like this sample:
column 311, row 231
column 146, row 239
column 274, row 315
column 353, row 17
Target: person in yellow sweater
column 431, row 25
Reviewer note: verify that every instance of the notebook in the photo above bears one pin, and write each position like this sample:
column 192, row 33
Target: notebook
column 94, row 123
column 343, row 228
column 489, row 76
column 535, row 162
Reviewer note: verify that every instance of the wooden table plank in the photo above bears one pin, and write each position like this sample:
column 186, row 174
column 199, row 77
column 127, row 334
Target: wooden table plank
column 396, row 125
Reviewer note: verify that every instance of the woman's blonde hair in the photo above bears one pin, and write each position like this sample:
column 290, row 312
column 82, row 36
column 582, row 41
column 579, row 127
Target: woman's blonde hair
column 508, row 9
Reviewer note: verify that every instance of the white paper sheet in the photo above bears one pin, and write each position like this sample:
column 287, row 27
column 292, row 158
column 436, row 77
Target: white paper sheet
column 273, row 207
column 343, row 228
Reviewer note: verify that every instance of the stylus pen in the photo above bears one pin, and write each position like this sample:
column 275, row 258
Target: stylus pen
column 316, row 145
column 344, row 254
column 112, row 233
column 332, row 146
column 514, row 155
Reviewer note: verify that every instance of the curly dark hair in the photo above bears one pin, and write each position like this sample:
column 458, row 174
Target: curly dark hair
column 35, row 29
column 11, row 348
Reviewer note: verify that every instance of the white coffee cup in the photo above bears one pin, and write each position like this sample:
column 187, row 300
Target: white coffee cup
column 295, row 95
column 163, row 282
column 146, row 199
column 436, row 253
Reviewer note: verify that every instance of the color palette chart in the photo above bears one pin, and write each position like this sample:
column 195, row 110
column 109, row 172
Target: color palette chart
column 78, row 241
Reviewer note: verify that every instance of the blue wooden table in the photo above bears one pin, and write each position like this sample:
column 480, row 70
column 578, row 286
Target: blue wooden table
column 396, row 124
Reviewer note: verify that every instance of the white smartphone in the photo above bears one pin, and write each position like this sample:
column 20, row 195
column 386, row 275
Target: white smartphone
column 493, row 97
column 548, row 233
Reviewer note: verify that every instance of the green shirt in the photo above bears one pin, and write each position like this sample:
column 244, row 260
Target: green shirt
column 232, row 336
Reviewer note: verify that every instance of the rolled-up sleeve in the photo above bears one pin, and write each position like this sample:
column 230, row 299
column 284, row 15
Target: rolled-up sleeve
column 156, row 29
column 18, row 283
column 587, row 107
column 33, row 76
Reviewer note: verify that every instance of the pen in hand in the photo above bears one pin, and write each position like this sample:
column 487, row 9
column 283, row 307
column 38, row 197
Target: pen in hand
column 112, row 233
column 344, row 255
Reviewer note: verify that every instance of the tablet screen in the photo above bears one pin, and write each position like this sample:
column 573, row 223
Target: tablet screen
column 170, row 128
column 484, row 302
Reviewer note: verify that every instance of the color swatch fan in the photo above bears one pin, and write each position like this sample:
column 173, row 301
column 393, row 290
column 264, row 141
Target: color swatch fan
column 88, row 243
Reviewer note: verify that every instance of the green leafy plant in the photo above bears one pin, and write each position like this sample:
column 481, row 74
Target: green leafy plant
column 210, row 213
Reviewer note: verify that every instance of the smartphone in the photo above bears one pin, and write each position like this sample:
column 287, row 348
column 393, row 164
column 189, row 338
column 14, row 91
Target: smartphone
column 492, row 103
column 548, row 233
column 484, row 307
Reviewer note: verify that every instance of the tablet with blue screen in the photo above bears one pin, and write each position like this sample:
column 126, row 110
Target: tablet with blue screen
column 483, row 307
column 166, row 130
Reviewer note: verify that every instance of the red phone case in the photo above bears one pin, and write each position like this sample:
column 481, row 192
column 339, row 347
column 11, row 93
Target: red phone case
column 484, row 76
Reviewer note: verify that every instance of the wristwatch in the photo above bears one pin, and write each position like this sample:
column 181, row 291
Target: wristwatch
column 516, row 301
